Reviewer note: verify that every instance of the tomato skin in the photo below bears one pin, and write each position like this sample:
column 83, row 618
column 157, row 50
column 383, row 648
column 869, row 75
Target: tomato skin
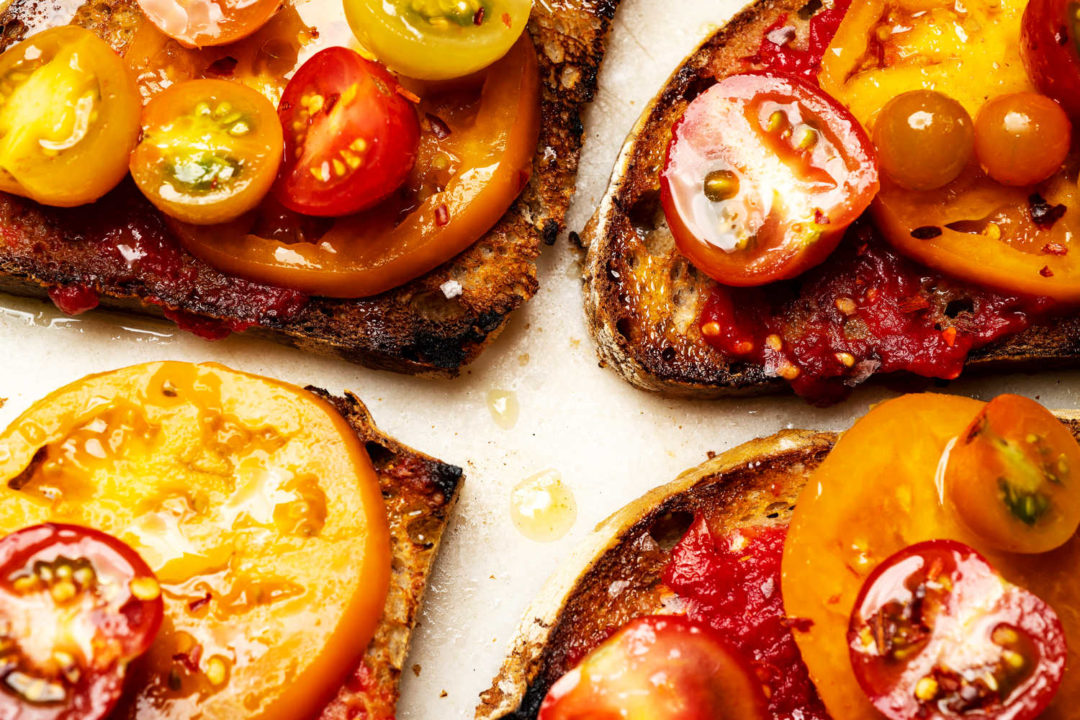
column 202, row 23
column 1010, row 477
column 351, row 136
column 421, row 40
column 943, row 130
column 1022, row 138
column 815, row 142
column 106, row 634
column 209, row 152
column 1048, row 45
column 704, row 678
column 933, row 620
column 77, row 96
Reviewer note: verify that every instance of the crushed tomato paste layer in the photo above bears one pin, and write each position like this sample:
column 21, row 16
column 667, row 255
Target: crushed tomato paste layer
column 732, row 584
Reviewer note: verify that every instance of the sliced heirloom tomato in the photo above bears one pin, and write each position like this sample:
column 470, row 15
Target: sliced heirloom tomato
column 257, row 508
column 69, row 116
column 880, row 490
column 937, row 634
column 209, row 152
column 763, row 175
column 351, row 136
column 658, row 668
column 199, row 23
column 474, row 160
column 1049, row 45
column 76, row 606
column 438, row 39
column 1011, row 477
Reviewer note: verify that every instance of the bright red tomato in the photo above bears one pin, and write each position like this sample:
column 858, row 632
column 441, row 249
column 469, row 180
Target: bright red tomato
column 76, row 606
column 659, row 668
column 763, row 174
column 351, row 137
column 1048, row 43
column 937, row 634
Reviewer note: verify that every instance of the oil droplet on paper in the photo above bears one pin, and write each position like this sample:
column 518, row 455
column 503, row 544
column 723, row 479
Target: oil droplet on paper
column 542, row 507
column 504, row 408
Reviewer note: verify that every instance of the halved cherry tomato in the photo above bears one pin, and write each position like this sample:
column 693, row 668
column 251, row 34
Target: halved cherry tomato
column 351, row 137
column 936, row 633
column 764, row 173
column 69, row 116
column 474, row 160
column 1050, row 46
column 878, row 491
column 209, row 152
column 199, row 23
column 659, row 668
column 1022, row 138
column 257, row 508
column 438, row 39
column 76, row 606
column 1011, row 477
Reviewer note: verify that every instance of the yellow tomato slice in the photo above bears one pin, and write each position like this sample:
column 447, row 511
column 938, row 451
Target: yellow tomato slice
column 876, row 493
column 69, row 117
column 253, row 502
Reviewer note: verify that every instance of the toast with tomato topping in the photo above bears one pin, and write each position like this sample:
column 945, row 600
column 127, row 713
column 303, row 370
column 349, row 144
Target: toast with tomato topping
column 735, row 509
column 120, row 253
column 650, row 309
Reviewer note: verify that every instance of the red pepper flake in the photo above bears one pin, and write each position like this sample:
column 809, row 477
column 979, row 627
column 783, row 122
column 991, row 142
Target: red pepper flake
column 1054, row 248
column 411, row 97
column 871, row 294
column 821, row 218
column 196, row 605
column 914, row 303
column 507, row 20
column 442, row 215
column 190, row 659
column 949, row 335
column 478, row 18
column 438, row 127
column 1046, row 271
column 799, row 624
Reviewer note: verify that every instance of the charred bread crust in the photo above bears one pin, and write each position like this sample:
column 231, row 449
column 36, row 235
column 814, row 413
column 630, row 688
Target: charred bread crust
column 413, row 329
column 643, row 298
column 614, row 576
column 420, row 493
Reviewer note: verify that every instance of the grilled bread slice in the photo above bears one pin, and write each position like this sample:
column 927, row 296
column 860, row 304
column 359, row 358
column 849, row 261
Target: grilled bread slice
column 615, row 575
column 643, row 298
column 417, row 328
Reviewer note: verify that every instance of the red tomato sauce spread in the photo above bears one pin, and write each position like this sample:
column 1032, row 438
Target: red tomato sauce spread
column 732, row 584
column 121, row 242
column 865, row 310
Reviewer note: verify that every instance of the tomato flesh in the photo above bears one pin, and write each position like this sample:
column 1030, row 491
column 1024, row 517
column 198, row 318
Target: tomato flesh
column 662, row 668
column 76, row 606
column 1051, row 54
column 255, row 505
column 352, row 137
column 475, row 157
column 936, row 633
column 1010, row 477
column 438, row 39
column 764, row 173
column 209, row 152
column 69, row 116
column 199, row 23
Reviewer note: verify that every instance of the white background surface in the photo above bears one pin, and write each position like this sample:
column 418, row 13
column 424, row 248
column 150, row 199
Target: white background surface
column 610, row 442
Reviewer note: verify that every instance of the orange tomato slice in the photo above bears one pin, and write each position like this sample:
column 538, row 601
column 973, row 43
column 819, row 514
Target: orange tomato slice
column 252, row 501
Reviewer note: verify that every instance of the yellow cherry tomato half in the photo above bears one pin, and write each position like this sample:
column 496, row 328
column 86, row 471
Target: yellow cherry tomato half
column 438, row 39
column 1011, row 477
column 199, row 23
column 254, row 504
column 210, row 151
column 69, row 116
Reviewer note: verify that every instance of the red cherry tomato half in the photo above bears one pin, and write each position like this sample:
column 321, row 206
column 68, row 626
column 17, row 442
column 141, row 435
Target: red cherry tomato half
column 937, row 634
column 763, row 174
column 702, row 677
column 351, row 137
column 199, row 23
column 1048, row 44
column 76, row 606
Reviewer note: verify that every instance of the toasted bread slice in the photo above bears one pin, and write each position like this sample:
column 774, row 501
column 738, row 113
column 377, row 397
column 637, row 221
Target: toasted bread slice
column 414, row 329
column 643, row 298
column 615, row 575
column 420, row 493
